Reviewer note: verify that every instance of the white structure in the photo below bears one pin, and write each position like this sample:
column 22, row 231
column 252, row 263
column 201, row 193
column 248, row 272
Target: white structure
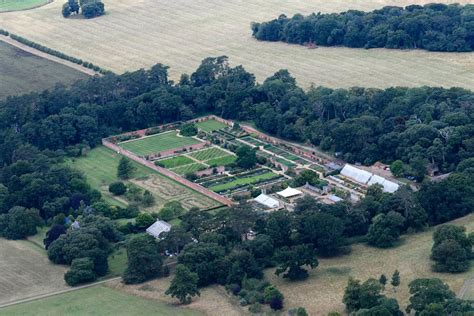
column 388, row 186
column 289, row 193
column 267, row 201
column 356, row 174
column 334, row 198
column 158, row 228
column 368, row 178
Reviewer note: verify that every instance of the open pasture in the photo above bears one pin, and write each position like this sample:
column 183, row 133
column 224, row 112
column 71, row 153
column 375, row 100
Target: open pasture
column 210, row 125
column 97, row 300
column 181, row 33
column 156, row 143
column 26, row 272
column 322, row 292
column 22, row 72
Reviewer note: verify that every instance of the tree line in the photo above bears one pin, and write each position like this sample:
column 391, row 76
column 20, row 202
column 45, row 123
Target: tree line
column 422, row 127
column 433, row 27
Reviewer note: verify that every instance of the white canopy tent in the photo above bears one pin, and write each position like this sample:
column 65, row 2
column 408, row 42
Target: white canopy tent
column 267, row 201
column 289, row 192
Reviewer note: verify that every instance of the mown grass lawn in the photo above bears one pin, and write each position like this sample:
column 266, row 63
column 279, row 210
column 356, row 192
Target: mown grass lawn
column 175, row 161
column 208, row 153
column 156, row 143
column 221, row 161
column 210, row 125
column 97, row 300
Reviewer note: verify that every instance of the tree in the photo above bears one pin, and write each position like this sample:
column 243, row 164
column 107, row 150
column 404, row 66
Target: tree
column 397, row 167
column 81, row 271
column 148, row 199
column 324, row 231
column 428, row 291
column 66, row 11
column 144, row 220
column 53, row 234
column 452, row 249
column 246, row 157
column 93, row 9
column 125, row 169
column 184, row 285
column 395, row 279
column 385, row 229
column 383, row 280
column 19, row 223
column 290, row 261
column 273, row 297
column 144, row 260
column 117, row 188
column 171, row 210
column 189, row 129
column 362, row 296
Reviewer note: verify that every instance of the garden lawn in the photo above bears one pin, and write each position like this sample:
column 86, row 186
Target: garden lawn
column 242, row 181
column 191, row 168
column 221, row 161
column 97, row 300
column 209, row 153
column 210, row 125
column 174, row 162
column 156, row 143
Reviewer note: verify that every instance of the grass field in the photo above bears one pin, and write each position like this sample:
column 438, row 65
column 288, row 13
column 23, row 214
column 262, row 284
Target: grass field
column 175, row 161
column 181, row 33
column 209, row 153
column 100, row 168
column 323, row 291
column 221, row 161
column 156, row 143
column 210, row 125
column 191, row 168
column 26, row 271
column 15, row 5
column 22, row 72
column 97, row 300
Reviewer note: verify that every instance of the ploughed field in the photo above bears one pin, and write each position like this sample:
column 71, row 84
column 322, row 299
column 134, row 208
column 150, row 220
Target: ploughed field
column 136, row 34
column 22, row 72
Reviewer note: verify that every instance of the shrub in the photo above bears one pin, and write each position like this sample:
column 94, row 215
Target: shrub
column 117, row 188
column 82, row 271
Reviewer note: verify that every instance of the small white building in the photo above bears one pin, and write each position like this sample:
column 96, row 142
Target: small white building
column 267, row 201
column 289, row 193
column 158, row 228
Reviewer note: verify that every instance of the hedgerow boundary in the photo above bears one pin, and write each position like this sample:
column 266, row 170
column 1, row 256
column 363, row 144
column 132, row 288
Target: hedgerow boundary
column 193, row 186
column 54, row 52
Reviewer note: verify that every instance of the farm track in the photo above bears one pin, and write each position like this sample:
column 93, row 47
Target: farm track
column 41, row 54
column 182, row 33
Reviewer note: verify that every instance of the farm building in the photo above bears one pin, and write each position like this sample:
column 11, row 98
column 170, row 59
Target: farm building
column 158, row 228
column 267, row 201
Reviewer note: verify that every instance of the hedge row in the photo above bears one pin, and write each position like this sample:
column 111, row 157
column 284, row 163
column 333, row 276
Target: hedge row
column 53, row 52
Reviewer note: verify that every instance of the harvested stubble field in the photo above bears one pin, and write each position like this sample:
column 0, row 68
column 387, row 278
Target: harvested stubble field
column 158, row 142
column 323, row 291
column 26, row 271
column 135, row 34
column 98, row 300
column 22, row 72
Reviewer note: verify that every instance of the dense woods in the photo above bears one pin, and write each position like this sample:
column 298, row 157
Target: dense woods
column 434, row 27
